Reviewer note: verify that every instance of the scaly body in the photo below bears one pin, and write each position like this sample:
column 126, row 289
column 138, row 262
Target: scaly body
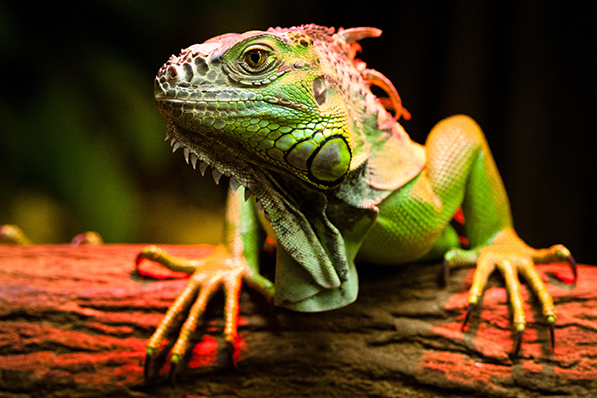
column 333, row 178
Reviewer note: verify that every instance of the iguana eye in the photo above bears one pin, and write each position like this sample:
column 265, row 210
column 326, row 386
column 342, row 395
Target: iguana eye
column 254, row 62
column 257, row 59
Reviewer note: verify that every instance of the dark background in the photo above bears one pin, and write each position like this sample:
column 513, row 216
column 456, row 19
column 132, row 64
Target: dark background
column 81, row 139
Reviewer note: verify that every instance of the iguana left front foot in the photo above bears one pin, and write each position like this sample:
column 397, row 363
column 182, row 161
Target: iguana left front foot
column 511, row 256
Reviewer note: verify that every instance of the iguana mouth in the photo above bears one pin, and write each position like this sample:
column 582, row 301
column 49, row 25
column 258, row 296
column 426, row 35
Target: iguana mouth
column 192, row 159
column 203, row 151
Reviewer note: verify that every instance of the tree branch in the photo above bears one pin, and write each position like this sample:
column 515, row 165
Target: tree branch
column 74, row 321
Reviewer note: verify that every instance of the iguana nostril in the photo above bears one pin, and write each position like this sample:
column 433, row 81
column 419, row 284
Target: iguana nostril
column 172, row 73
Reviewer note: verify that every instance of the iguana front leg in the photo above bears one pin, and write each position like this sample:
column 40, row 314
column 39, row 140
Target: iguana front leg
column 413, row 223
column 228, row 266
column 460, row 163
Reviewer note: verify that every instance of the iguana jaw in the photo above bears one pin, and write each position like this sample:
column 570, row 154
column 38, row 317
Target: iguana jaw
column 192, row 155
column 224, row 158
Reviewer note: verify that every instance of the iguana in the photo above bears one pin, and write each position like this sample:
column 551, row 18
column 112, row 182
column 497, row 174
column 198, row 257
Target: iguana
column 318, row 163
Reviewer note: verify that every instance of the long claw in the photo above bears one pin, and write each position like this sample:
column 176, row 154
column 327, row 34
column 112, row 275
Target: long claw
column 138, row 260
column 560, row 253
column 518, row 344
column 551, row 321
column 564, row 254
column 467, row 317
column 446, row 272
column 457, row 258
column 552, row 336
column 148, row 362
column 175, row 360
column 232, row 353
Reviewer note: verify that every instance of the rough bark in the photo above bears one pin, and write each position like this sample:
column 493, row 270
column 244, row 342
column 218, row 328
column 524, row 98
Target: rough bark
column 74, row 320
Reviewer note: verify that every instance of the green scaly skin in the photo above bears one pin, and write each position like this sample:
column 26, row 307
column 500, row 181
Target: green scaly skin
column 289, row 116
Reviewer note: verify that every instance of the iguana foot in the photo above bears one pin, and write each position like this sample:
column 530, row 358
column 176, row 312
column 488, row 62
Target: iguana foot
column 511, row 256
column 207, row 275
column 87, row 238
column 13, row 234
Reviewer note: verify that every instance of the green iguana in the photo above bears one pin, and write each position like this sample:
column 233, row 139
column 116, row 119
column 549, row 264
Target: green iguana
column 319, row 164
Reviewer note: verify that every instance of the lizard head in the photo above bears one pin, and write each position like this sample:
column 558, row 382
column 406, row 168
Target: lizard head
column 290, row 100
column 289, row 114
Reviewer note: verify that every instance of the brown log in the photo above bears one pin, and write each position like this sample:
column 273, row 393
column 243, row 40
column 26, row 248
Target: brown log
column 74, row 321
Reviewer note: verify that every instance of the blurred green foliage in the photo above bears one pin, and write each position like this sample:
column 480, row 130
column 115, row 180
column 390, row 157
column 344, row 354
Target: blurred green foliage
column 81, row 145
column 81, row 140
